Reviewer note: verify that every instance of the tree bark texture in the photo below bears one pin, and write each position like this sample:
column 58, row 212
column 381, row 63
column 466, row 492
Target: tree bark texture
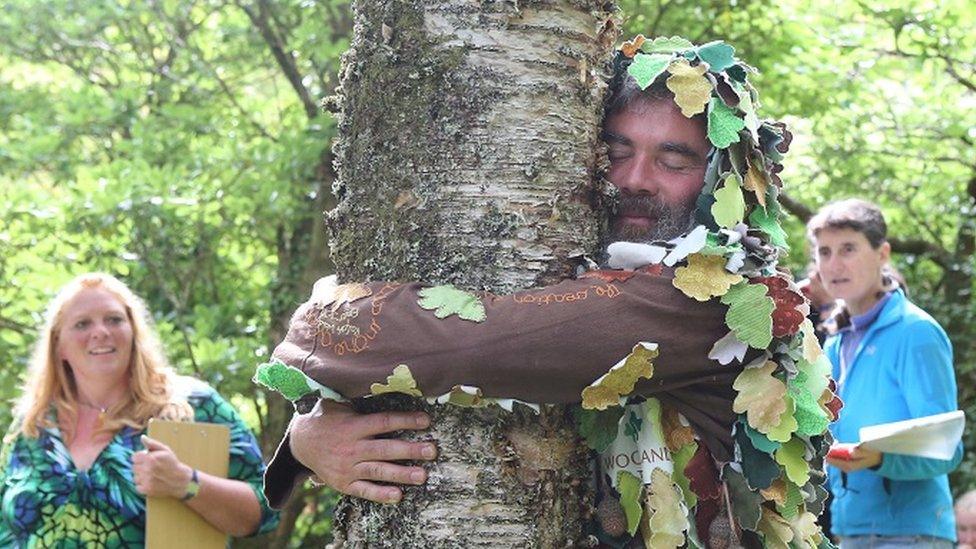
column 467, row 154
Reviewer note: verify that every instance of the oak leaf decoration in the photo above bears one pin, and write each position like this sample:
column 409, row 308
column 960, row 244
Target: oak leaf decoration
column 761, row 397
column 447, row 300
column 690, row 87
column 400, row 381
column 631, row 47
column 347, row 293
column 621, row 378
column 665, row 518
column 704, row 277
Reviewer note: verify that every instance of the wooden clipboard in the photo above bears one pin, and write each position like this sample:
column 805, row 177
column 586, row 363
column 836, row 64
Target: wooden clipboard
column 170, row 523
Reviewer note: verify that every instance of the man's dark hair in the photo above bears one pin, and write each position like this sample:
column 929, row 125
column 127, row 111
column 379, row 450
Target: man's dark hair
column 624, row 91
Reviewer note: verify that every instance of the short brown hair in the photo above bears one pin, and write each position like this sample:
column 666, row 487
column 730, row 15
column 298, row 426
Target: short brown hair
column 854, row 214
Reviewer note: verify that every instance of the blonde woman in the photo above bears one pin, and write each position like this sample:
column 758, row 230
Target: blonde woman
column 76, row 463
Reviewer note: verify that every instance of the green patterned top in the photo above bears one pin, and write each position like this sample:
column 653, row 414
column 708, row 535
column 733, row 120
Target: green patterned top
column 47, row 502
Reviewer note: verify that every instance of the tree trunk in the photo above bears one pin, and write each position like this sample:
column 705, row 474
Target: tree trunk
column 468, row 133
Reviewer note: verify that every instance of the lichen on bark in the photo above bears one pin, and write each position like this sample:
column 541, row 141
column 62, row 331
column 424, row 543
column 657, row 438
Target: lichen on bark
column 467, row 133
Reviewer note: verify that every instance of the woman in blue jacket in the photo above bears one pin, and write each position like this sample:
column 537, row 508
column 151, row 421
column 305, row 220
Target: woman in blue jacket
column 892, row 361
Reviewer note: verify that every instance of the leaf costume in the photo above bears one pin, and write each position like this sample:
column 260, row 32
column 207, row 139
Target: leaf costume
column 47, row 502
column 700, row 382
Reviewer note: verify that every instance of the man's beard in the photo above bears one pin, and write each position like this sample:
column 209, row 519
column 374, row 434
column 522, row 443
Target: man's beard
column 668, row 222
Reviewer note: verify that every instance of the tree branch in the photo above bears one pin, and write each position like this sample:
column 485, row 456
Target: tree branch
column 799, row 210
column 951, row 69
column 11, row 324
column 661, row 10
column 233, row 99
column 179, row 307
column 284, row 59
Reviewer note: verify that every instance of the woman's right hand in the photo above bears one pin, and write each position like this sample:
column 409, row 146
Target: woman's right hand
column 340, row 448
column 157, row 472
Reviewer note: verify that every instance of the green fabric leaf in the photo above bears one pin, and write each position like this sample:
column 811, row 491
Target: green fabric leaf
column 766, row 221
column 787, row 422
column 598, row 427
column 759, row 468
column 750, row 314
column 794, row 499
column 652, row 411
column 629, row 488
column 759, row 440
column 662, row 44
column 746, row 504
column 730, row 203
column 791, row 457
column 291, row 382
column 718, row 55
column 825, row 543
column 723, row 124
column 811, row 419
column 646, row 68
column 737, row 72
column 681, row 458
column 816, row 504
column 448, row 300
column 750, row 117
column 607, row 390
column 703, row 211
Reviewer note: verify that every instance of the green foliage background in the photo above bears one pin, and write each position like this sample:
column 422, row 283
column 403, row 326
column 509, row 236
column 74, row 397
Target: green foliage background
column 180, row 145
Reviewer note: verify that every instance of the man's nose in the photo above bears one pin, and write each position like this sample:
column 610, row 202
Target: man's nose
column 639, row 177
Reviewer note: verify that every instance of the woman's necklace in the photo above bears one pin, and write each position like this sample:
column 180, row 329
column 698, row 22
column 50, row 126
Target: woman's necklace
column 102, row 411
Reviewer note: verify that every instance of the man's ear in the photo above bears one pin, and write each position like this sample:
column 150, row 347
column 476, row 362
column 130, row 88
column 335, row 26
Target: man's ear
column 885, row 250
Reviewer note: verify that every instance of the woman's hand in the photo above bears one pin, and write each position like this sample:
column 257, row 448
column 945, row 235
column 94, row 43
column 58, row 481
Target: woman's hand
column 157, row 472
column 860, row 458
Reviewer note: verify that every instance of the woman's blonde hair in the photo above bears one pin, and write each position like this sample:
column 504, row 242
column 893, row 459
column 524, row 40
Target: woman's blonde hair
column 51, row 382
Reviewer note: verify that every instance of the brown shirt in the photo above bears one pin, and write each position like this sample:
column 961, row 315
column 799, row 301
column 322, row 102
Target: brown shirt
column 543, row 345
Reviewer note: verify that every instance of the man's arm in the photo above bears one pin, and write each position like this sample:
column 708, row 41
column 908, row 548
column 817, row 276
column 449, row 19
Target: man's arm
column 543, row 345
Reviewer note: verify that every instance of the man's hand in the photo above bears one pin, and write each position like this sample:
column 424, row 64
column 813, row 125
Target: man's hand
column 157, row 472
column 338, row 445
column 860, row 458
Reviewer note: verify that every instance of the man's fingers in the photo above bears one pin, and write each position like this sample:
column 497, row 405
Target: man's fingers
column 381, row 471
column 374, row 492
column 387, row 422
column 386, row 449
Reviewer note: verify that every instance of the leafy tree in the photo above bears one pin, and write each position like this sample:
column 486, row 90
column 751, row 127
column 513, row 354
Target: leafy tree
column 179, row 144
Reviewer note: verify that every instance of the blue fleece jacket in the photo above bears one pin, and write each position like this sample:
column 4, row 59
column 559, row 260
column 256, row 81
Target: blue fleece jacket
column 901, row 369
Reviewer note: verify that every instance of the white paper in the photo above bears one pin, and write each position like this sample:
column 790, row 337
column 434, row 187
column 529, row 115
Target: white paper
column 935, row 436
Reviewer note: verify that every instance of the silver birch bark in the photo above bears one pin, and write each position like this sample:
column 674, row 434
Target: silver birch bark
column 467, row 153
